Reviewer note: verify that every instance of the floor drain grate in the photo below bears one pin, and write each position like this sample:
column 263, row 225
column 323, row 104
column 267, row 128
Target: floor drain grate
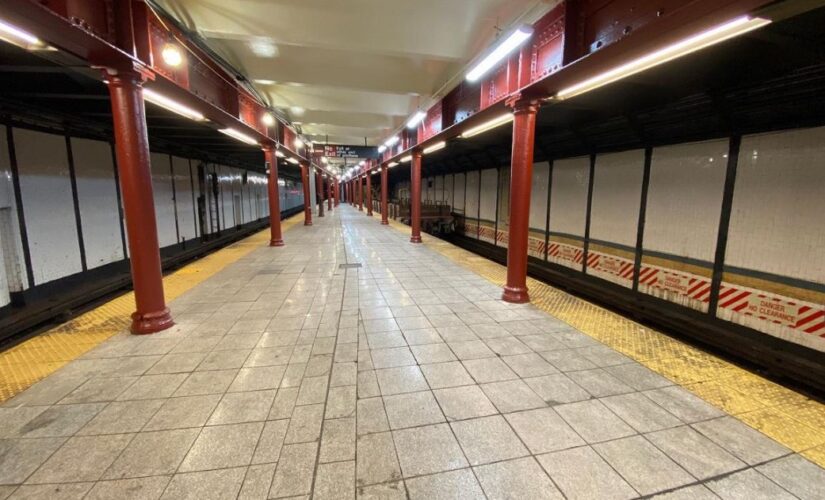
column 349, row 266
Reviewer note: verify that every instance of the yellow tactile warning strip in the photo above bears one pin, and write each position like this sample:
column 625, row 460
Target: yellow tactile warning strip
column 786, row 416
column 36, row 358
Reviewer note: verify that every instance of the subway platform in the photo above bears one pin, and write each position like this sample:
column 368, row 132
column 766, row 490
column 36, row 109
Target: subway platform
column 352, row 363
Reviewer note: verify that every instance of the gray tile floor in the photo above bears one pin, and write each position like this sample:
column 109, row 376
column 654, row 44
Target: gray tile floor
column 289, row 375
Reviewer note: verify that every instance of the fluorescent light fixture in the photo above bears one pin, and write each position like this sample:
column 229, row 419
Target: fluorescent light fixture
column 488, row 125
column 392, row 141
column 172, row 105
column 279, row 154
column 382, row 148
column 21, row 38
column 699, row 41
column 392, row 164
column 231, row 132
column 504, row 47
column 405, row 159
column 172, row 55
column 268, row 120
column 262, row 46
column 298, row 143
column 417, row 118
column 362, row 163
column 293, row 161
column 434, row 147
column 324, row 160
column 263, row 81
column 297, row 110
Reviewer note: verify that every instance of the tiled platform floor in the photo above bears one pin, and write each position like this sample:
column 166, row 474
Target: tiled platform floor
column 293, row 373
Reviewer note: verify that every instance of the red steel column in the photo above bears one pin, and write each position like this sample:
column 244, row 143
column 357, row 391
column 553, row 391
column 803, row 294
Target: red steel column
column 319, row 192
column 369, row 192
column 330, row 193
column 307, row 201
column 384, row 203
column 336, row 191
column 415, row 196
column 521, row 178
column 276, row 239
column 360, row 194
column 133, row 165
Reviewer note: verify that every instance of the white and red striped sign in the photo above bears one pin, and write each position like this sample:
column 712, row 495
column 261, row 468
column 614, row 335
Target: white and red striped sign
column 803, row 316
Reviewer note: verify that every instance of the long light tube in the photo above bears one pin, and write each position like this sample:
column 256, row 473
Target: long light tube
column 392, row 141
column 712, row 36
column 279, row 154
column 488, row 125
column 392, row 164
column 231, row 132
column 405, row 159
column 172, row 105
column 21, row 38
column 382, row 148
column 509, row 44
column 293, row 161
column 417, row 118
column 434, row 147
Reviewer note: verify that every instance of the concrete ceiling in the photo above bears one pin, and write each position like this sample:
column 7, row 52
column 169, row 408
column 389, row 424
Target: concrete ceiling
column 346, row 71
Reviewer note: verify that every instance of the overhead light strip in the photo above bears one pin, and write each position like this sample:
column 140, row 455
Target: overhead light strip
column 405, row 159
column 488, row 125
column 172, row 105
column 392, row 164
column 417, row 118
column 712, row 36
column 21, row 38
column 502, row 50
column 231, row 132
column 435, row 147
column 293, row 161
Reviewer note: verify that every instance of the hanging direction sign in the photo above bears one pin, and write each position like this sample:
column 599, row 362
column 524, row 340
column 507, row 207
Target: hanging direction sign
column 339, row 151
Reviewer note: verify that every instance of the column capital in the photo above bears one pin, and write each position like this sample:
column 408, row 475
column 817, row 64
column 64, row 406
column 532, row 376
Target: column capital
column 417, row 153
column 520, row 104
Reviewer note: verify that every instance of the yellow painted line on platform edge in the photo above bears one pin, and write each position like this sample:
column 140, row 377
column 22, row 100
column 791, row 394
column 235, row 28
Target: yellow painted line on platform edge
column 40, row 356
column 784, row 415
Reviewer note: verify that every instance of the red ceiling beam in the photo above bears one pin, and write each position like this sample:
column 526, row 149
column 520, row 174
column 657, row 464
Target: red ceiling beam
column 575, row 40
column 88, row 30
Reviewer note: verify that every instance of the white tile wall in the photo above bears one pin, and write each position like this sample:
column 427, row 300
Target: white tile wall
column 617, row 186
column 685, row 199
column 97, row 197
column 778, row 218
column 568, row 201
column 46, row 191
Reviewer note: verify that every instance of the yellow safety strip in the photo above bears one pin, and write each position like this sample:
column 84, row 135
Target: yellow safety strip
column 786, row 416
column 40, row 356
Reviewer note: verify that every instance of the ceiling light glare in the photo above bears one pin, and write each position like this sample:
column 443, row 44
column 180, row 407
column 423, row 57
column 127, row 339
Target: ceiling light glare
column 21, row 38
column 279, row 154
column 382, row 148
column 172, row 55
column 504, row 47
column 392, row 164
column 405, row 159
column 298, row 143
column 392, row 141
column 268, row 120
column 293, row 161
column 262, row 81
column 264, row 47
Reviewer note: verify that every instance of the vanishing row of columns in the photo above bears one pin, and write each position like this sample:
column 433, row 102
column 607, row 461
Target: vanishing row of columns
column 134, row 168
column 521, row 180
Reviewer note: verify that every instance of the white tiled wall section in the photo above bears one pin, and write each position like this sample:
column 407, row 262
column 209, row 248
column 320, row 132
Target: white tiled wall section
column 685, row 199
column 45, row 186
column 97, row 197
column 538, row 196
column 568, row 200
column 617, row 186
column 778, row 219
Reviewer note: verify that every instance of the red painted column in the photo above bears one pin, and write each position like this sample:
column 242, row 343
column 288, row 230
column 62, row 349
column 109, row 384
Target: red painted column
column 307, row 201
column 330, row 193
column 384, row 202
column 360, row 194
column 319, row 192
column 336, row 191
column 415, row 196
column 275, row 239
column 351, row 196
column 369, row 192
column 133, row 165
column 521, row 178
